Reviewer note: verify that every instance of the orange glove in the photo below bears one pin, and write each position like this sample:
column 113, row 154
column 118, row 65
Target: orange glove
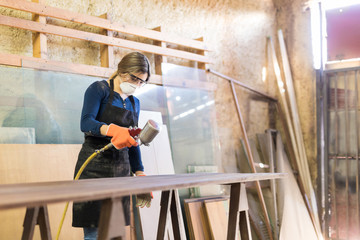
column 120, row 136
column 144, row 199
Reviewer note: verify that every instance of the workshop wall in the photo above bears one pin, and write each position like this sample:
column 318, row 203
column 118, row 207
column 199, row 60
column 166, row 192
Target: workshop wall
column 236, row 33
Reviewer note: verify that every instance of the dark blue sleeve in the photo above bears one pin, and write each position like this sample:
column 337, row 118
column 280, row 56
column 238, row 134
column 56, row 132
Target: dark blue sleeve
column 134, row 152
column 92, row 101
column 135, row 159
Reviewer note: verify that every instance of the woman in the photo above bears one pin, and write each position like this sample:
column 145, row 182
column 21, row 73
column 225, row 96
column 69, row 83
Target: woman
column 109, row 110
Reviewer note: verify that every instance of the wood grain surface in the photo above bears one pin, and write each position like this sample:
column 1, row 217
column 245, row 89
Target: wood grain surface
column 30, row 163
column 37, row 194
column 217, row 213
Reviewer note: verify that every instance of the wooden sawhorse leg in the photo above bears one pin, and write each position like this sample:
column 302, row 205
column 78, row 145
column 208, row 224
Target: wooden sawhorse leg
column 112, row 221
column 34, row 216
column 238, row 213
column 168, row 202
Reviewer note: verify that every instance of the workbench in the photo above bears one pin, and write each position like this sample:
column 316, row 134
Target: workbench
column 36, row 196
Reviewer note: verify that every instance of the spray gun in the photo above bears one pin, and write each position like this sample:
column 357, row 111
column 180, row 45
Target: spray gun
column 147, row 134
column 142, row 136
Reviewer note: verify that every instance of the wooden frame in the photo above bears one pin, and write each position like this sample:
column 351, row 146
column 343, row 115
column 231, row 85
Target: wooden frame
column 36, row 216
column 39, row 39
column 159, row 46
column 239, row 214
column 98, row 38
column 168, row 204
column 48, row 11
column 343, row 65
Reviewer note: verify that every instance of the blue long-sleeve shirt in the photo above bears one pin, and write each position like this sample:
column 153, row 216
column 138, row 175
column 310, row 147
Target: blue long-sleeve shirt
column 95, row 99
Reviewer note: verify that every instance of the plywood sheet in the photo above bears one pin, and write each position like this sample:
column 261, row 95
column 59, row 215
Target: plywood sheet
column 207, row 217
column 21, row 163
column 296, row 223
column 196, row 220
column 217, row 214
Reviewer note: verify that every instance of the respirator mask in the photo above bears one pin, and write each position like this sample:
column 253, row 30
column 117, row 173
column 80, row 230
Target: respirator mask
column 128, row 88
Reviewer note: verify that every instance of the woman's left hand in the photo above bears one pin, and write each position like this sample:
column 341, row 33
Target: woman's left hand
column 144, row 199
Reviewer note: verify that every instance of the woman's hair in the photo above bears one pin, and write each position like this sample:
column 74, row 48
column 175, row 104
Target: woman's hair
column 134, row 62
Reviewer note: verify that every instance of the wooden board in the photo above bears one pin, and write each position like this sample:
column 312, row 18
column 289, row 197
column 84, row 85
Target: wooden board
column 21, row 163
column 97, row 38
column 42, row 193
column 296, row 222
column 37, row 194
column 63, row 14
column 303, row 166
column 196, row 220
column 217, row 214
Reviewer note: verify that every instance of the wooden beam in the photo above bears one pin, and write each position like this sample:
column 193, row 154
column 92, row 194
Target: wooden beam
column 238, row 213
column 284, row 104
column 201, row 52
column 165, row 204
column 159, row 59
column 290, row 127
column 39, row 39
column 41, row 193
column 106, row 51
column 303, row 161
column 57, row 66
column 303, row 164
column 345, row 65
column 97, row 38
column 11, row 59
column 36, row 216
column 101, row 23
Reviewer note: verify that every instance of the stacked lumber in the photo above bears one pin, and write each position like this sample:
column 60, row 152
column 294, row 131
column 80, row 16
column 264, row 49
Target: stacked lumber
column 287, row 97
column 207, row 218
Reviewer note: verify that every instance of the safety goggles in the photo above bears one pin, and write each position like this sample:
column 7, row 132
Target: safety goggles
column 137, row 80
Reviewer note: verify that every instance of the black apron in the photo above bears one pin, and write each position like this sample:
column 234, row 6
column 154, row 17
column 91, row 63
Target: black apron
column 111, row 163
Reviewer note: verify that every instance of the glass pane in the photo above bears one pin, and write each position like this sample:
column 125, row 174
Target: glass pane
column 191, row 119
column 153, row 98
column 48, row 102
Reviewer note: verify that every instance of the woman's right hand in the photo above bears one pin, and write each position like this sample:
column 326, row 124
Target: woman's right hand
column 120, row 136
